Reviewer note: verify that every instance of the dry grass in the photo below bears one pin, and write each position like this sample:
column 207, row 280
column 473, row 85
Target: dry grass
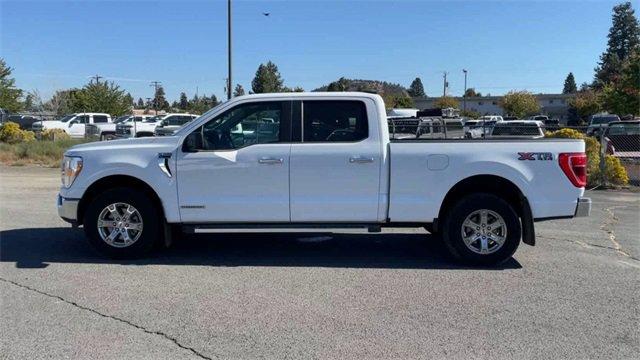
column 46, row 152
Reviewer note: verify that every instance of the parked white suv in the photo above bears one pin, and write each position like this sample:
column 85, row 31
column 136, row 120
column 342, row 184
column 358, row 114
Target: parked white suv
column 107, row 131
column 72, row 124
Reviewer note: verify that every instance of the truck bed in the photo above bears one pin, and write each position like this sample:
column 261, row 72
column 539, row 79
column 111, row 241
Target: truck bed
column 442, row 163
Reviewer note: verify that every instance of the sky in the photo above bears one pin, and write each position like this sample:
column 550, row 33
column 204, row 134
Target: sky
column 504, row 45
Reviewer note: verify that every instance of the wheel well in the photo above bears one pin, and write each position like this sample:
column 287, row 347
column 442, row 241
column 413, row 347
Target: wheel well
column 490, row 184
column 115, row 181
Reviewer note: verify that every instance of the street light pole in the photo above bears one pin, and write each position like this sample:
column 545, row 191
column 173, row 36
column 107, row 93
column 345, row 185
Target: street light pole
column 229, row 81
column 464, row 96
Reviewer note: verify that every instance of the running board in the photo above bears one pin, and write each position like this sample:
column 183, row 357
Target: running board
column 279, row 228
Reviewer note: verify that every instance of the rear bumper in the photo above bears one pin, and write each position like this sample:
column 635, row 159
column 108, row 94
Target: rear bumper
column 583, row 208
column 68, row 209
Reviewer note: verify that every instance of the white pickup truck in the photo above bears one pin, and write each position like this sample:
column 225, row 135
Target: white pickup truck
column 107, row 131
column 72, row 124
column 148, row 126
column 318, row 162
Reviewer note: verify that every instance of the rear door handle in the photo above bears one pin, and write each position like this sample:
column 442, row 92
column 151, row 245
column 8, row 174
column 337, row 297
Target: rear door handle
column 266, row 160
column 360, row 160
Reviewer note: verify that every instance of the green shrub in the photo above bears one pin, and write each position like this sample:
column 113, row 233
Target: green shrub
column 11, row 133
column 614, row 172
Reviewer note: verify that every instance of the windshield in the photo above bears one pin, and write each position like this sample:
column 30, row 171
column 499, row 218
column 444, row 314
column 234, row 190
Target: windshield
column 67, row 118
column 603, row 120
column 516, row 129
column 121, row 118
column 153, row 119
column 624, row 129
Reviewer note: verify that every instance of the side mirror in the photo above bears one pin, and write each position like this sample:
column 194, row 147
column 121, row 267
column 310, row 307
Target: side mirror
column 191, row 142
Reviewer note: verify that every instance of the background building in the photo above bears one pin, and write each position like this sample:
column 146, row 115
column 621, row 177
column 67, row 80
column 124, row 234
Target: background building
column 553, row 105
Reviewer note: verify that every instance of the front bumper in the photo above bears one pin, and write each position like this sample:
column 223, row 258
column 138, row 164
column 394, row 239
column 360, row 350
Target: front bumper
column 583, row 208
column 68, row 209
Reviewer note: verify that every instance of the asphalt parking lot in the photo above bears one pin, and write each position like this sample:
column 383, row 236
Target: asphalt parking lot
column 371, row 296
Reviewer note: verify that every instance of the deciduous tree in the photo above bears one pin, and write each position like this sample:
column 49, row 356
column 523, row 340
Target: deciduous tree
column 99, row 96
column 520, row 103
column 445, row 102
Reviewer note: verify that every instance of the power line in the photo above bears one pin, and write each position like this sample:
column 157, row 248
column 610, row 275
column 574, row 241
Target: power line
column 97, row 78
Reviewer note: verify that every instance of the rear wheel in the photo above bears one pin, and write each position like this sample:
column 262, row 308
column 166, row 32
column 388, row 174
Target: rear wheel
column 122, row 223
column 482, row 229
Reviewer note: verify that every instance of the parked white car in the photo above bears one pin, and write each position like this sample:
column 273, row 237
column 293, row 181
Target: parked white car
column 318, row 162
column 145, row 128
column 72, row 124
column 107, row 131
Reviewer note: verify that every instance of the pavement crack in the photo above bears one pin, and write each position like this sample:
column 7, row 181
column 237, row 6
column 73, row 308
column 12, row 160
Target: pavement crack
column 589, row 245
column 607, row 227
column 124, row 321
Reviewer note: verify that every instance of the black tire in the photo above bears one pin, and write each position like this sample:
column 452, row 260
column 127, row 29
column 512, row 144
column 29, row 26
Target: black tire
column 151, row 219
column 452, row 226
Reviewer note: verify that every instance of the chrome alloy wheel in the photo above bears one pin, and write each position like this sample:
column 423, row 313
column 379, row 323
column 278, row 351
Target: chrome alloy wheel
column 120, row 225
column 484, row 231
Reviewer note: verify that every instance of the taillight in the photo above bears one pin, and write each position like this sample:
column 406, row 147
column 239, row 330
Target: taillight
column 574, row 165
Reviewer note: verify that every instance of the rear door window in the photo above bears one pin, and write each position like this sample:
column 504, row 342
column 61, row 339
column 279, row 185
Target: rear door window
column 99, row 118
column 334, row 121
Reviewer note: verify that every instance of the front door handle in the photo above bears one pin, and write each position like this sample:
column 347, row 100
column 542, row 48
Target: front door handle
column 266, row 160
column 360, row 160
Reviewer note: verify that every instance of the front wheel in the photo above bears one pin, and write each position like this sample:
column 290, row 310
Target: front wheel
column 122, row 223
column 482, row 229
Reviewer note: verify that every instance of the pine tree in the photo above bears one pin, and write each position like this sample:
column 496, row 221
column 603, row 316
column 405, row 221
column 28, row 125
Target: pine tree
column 416, row 89
column 140, row 104
column 9, row 94
column 267, row 79
column 570, row 86
column 624, row 38
column 184, row 102
column 159, row 100
column 238, row 91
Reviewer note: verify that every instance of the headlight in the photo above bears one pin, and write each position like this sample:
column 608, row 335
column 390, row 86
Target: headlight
column 71, row 167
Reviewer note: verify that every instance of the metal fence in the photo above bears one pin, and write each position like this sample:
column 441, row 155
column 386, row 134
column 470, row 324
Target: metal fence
column 614, row 152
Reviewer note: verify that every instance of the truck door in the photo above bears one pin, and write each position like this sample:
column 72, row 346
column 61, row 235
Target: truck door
column 77, row 126
column 335, row 169
column 235, row 167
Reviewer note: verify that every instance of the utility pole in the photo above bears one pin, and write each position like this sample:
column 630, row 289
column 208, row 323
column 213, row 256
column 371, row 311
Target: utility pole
column 97, row 78
column 229, row 81
column 464, row 96
column 445, row 84
column 156, row 85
